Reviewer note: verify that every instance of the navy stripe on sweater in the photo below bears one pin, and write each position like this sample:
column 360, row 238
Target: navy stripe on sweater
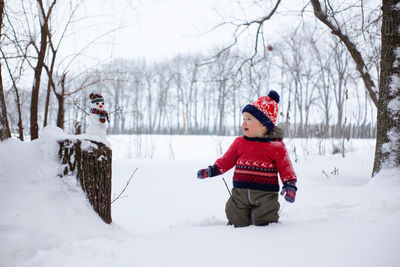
column 256, row 186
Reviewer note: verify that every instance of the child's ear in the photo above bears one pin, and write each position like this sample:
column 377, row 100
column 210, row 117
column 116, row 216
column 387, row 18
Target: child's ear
column 265, row 130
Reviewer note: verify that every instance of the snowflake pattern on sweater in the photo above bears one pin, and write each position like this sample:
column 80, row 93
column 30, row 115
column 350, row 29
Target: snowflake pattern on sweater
column 257, row 164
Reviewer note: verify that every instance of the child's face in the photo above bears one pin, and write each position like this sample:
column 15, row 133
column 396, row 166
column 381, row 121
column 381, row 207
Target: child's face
column 252, row 127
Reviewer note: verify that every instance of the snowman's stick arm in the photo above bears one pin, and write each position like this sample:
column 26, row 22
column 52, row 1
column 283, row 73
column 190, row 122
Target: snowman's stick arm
column 76, row 105
column 115, row 110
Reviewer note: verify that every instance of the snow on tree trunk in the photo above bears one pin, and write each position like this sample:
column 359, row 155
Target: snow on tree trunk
column 387, row 153
column 90, row 162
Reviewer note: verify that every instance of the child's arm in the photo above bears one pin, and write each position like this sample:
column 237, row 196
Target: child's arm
column 286, row 172
column 223, row 164
column 284, row 164
column 229, row 159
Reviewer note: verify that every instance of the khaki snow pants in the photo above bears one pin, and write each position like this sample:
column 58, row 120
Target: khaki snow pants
column 249, row 206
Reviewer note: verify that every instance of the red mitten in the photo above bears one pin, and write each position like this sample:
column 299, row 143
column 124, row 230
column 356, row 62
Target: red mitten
column 209, row 172
column 203, row 173
column 289, row 190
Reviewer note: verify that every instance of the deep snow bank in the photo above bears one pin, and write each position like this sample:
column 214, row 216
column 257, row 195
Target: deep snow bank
column 170, row 218
column 38, row 209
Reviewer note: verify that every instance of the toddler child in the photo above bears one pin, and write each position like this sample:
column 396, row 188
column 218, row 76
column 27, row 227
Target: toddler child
column 258, row 157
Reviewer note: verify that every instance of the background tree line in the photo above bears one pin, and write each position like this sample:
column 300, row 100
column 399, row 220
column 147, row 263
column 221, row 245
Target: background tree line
column 188, row 95
column 322, row 93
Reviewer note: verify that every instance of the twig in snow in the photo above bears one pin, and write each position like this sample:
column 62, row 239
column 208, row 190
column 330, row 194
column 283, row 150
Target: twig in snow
column 227, row 188
column 327, row 176
column 126, row 186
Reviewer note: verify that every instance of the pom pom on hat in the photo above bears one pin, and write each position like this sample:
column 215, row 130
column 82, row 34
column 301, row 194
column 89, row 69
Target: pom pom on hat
column 265, row 109
column 274, row 95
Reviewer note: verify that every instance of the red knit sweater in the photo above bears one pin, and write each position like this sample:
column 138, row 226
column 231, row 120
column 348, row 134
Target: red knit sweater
column 257, row 163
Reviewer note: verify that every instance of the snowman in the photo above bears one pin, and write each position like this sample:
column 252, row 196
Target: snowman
column 98, row 116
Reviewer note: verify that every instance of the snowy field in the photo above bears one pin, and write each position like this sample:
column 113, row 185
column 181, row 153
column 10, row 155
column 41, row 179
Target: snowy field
column 168, row 217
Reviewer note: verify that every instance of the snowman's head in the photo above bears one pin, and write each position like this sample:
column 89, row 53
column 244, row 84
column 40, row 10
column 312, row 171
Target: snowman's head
column 96, row 101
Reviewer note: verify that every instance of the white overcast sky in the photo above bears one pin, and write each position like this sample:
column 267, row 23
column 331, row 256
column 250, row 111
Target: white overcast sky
column 156, row 29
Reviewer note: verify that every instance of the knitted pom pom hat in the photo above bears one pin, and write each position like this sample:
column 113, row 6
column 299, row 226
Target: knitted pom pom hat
column 94, row 98
column 265, row 109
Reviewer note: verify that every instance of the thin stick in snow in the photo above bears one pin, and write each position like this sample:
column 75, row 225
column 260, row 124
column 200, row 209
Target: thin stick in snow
column 126, row 186
column 327, row 176
column 227, row 188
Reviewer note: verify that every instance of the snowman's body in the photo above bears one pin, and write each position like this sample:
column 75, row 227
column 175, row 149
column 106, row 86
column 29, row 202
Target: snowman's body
column 98, row 116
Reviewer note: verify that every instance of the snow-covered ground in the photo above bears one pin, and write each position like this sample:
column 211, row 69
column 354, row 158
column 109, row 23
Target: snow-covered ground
column 170, row 218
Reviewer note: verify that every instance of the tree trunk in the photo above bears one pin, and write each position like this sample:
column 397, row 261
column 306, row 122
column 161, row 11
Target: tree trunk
column 4, row 126
column 37, row 75
column 60, row 99
column 91, row 163
column 50, row 83
column 35, row 91
column 387, row 152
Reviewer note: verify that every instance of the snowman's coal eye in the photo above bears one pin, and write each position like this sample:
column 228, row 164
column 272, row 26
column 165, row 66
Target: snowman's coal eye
column 102, row 103
column 97, row 103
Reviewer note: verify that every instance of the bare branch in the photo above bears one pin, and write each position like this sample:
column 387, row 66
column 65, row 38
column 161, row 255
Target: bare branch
column 126, row 186
column 84, row 86
column 260, row 23
column 264, row 19
column 81, row 109
column 351, row 47
column 89, row 44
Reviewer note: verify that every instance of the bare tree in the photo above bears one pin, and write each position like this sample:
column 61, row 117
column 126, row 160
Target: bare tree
column 222, row 79
column 387, row 153
column 54, row 46
column 339, row 76
column 164, row 80
column 299, row 64
column 17, row 96
column 337, row 30
column 4, row 126
column 323, row 85
column 44, row 19
column 9, row 39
